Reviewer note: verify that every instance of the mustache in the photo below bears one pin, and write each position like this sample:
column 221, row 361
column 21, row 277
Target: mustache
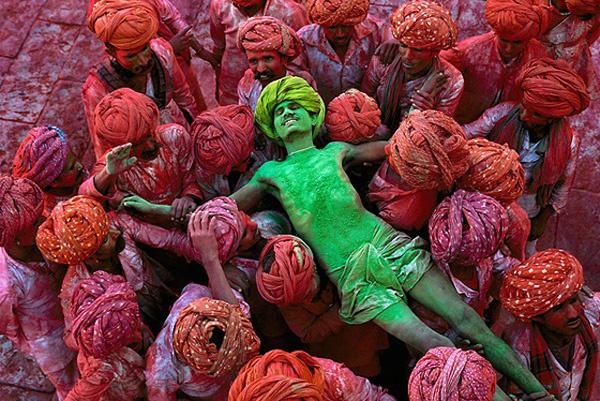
column 264, row 75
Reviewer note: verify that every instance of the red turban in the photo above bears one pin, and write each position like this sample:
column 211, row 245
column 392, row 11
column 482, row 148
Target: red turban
column 286, row 271
column 195, row 327
column 337, row 12
column 428, row 150
column 245, row 3
column 42, row 155
column 352, row 117
column 74, row 231
column 105, row 314
column 124, row 24
column 223, row 138
column 261, row 34
column 495, row 171
column 551, row 88
column 545, row 280
column 519, row 227
column 466, row 228
column 229, row 227
column 278, row 388
column 22, row 202
column 583, row 7
column 451, row 374
column 516, row 20
column 125, row 116
column 424, row 25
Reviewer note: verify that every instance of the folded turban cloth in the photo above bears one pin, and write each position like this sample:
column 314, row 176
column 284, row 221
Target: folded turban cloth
column 543, row 281
column 352, row 117
column 278, row 388
column 583, row 7
column 429, row 150
column 192, row 337
column 516, row 20
column 74, row 231
column 21, row 203
column 124, row 24
column 286, row 271
column 292, row 89
column 261, row 34
column 451, row 374
column 223, row 138
column 42, row 155
column 552, row 88
column 424, row 25
column 519, row 227
column 271, row 223
column 495, row 171
column 125, row 116
column 106, row 315
column 229, row 226
column 245, row 3
column 337, row 12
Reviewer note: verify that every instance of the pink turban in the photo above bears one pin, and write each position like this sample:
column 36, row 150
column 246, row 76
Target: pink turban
column 337, row 12
column 516, row 20
column 266, row 33
column 352, row 117
column 21, row 204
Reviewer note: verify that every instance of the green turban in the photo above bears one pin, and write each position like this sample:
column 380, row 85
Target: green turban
column 293, row 89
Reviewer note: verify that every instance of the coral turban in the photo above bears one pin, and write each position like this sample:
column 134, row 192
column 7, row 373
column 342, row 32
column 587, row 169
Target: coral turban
column 22, row 202
column 352, row 117
column 278, row 388
column 74, row 231
column 223, row 138
column 42, row 155
column 495, row 170
column 337, row 12
column 125, row 116
column 519, row 227
column 552, row 88
column 195, row 327
column 124, row 24
column 424, row 25
column 106, row 315
column 545, row 280
column 428, row 150
column 466, row 228
column 516, row 20
column 261, row 34
column 451, row 374
column 286, row 271
column 293, row 89
column 271, row 223
column 583, row 7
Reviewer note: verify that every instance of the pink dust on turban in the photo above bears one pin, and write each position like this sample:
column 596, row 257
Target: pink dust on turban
column 21, row 203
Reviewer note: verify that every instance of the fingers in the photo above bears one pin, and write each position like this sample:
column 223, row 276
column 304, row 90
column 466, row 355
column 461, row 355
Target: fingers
column 131, row 161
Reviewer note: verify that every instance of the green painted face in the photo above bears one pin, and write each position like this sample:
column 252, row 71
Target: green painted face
column 291, row 118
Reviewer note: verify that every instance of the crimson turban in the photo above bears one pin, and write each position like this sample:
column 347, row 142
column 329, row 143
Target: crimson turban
column 583, row 7
column 223, row 138
column 466, row 228
column 74, row 231
column 425, row 25
column 552, row 88
column 261, row 34
column 352, row 117
column 278, row 388
column 42, row 155
column 125, row 116
column 245, row 3
column 543, row 281
column 428, row 150
column 451, row 374
column 124, row 24
column 286, row 271
column 516, row 20
column 106, row 315
column 519, row 227
column 495, row 170
column 22, row 202
column 195, row 327
column 337, row 12
column 271, row 223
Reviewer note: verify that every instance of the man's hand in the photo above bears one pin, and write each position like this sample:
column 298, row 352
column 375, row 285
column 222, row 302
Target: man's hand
column 181, row 207
column 236, row 278
column 466, row 344
column 540, row 396
column 207, row 56
column 387, row 51
column 182, row 41
column 422, row 100
column 539, row 222
column 118, row 160
column 137, row 203
column 202, row 234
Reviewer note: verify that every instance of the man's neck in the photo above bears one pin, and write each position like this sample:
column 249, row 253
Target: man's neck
column 555, row 340
column 300, row 143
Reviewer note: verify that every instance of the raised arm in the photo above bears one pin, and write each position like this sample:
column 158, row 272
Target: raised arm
column 367, row 152
column 248, row 196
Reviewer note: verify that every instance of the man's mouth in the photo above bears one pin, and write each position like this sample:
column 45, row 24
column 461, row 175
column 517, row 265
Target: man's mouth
column 289, row 121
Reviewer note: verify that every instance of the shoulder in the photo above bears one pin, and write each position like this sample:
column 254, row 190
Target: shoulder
column 310, row 34
column 451, row 72
column 172, row 135
column 162, row 49
column 247, row 80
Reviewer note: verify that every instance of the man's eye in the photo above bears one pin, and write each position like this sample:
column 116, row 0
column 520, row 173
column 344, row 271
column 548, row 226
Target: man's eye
column 268, row 59
column 252, row 61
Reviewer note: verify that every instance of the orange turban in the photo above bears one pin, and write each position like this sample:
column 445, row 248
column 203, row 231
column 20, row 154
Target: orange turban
column 124, row 24
column 352, row 117
column 125, row 116
column 337, row 12
column 223, row 138
column 195, row 327
column 268, row 33
column 516, row 20
column 519, row 227
column 22, row 202
column 429, row 150
column 278, row 388
column 495, row 170
column 425, row 25
column 74, row 231
column 286, row 271
column 545, row 280
column 552, row 89
column 583, row 7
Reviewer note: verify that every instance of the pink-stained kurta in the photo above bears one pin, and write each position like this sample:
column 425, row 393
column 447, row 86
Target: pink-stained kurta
column 488, row 79
column 469, row 16
column 174, row 97
column 30, row 316
column 225, row 18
